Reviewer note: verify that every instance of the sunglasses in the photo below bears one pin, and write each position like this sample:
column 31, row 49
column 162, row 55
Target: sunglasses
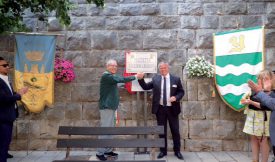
column 5, row 65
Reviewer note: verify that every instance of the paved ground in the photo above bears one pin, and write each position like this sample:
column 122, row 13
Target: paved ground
column 48, row 156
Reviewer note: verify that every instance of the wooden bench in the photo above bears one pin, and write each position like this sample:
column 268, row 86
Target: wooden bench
column 77, row 139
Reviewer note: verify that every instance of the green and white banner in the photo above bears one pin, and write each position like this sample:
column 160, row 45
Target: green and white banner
column 238, row 57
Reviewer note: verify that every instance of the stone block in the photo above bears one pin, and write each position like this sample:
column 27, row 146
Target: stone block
column 130, row 9
column 184, row 132
column 270, row 21
column 210, row 22
column 186, row 39
column 205, row 87
column 213, row 8
column 57, row 112
column 141, row 22
column 62, row 91
column 125, row 110
column 104, row 40
column 212, row 109
column 50, row 128
column 165, row 22
column 118, row 23
column 224, row 129
column 85, row 75
column 79, row 40
column 270, row 36
column 28, row 128
column 270, row 9
column 73, row 111
column 77, row 23
column 256, row 8
column 95, row 22
column 239, row 130
column 235, row 8
column 236, row 145
column 190, row 22
column 190, row 9
column 160, row 39
column 130, row 40
column 230, row 22
column 85, row 93
column 193, row 110
column 203, row 145
column 177, row 57
column 201, row 129
column 79, row 10
column 168, row 8
column 96, row 59
column 90, row 111
column 150, row 9
column 192, row 89
column 92, row 10
column 270, row 58
column 77, row 57
column 250, row 21
column 228, row 113
column 205, row 38
column 110, row 9
column 54, row 25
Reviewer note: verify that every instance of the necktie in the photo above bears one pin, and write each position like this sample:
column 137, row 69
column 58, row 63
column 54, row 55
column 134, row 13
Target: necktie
column 164, row 92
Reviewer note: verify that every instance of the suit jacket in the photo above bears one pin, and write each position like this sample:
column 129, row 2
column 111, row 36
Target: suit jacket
column 269, row 102
column 8, row 99
column 175, row 90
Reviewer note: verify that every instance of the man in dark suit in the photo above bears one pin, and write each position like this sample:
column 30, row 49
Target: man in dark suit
column 8, row 109
column 167, row 93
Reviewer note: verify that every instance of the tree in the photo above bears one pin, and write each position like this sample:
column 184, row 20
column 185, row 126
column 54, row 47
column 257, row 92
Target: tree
column 12, row 12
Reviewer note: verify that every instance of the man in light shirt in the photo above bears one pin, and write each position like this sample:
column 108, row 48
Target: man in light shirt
column 8, row 109
column 167, row 93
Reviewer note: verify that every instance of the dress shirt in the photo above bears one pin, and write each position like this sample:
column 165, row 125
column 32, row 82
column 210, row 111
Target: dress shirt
column 6, row 80
column 167, row 90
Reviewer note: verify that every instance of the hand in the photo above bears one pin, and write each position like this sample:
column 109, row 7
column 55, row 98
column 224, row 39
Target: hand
column 255, row 87
column 140, row 75
column 23, row 90
column 245, row 101
column 173, row 99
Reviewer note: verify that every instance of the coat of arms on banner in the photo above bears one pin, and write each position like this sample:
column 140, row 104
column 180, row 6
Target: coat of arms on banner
column 34, row 62
column 238, row 57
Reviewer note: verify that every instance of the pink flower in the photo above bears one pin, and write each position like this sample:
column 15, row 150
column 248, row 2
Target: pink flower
column 63, row 70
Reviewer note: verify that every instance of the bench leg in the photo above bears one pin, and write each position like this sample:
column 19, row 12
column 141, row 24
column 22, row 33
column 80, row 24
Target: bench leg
column 67, row 153
column 153, row 154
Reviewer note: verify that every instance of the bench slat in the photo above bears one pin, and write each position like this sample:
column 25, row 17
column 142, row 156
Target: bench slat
column 69, row 130
column 120, row 143
column 110, row 161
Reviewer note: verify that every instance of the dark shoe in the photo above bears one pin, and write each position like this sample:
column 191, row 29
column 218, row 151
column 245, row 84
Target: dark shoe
column 101, row 157
column 179, row 155
column 111, row 154
column 161, row 155
column 9, row 156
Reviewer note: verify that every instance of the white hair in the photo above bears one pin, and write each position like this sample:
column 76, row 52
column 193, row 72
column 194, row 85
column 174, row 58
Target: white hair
column 161, row 63
column 111, row 62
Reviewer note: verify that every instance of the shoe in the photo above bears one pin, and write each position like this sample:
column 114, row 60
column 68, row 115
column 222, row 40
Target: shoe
column 9, row 156
column 179, row 155
column 101, row 157
column 161, row 155
column 111, row 154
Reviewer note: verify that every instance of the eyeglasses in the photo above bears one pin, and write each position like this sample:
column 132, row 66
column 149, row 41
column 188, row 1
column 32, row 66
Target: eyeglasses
column 5, row 65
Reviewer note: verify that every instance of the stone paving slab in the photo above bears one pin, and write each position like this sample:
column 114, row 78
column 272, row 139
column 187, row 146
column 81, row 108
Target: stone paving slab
column 49, row 156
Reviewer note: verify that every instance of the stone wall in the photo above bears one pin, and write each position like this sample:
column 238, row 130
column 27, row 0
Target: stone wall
column 176, row 29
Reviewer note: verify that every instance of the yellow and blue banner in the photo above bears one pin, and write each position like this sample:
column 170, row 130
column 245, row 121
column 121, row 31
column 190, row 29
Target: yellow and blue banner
column 34, row 68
